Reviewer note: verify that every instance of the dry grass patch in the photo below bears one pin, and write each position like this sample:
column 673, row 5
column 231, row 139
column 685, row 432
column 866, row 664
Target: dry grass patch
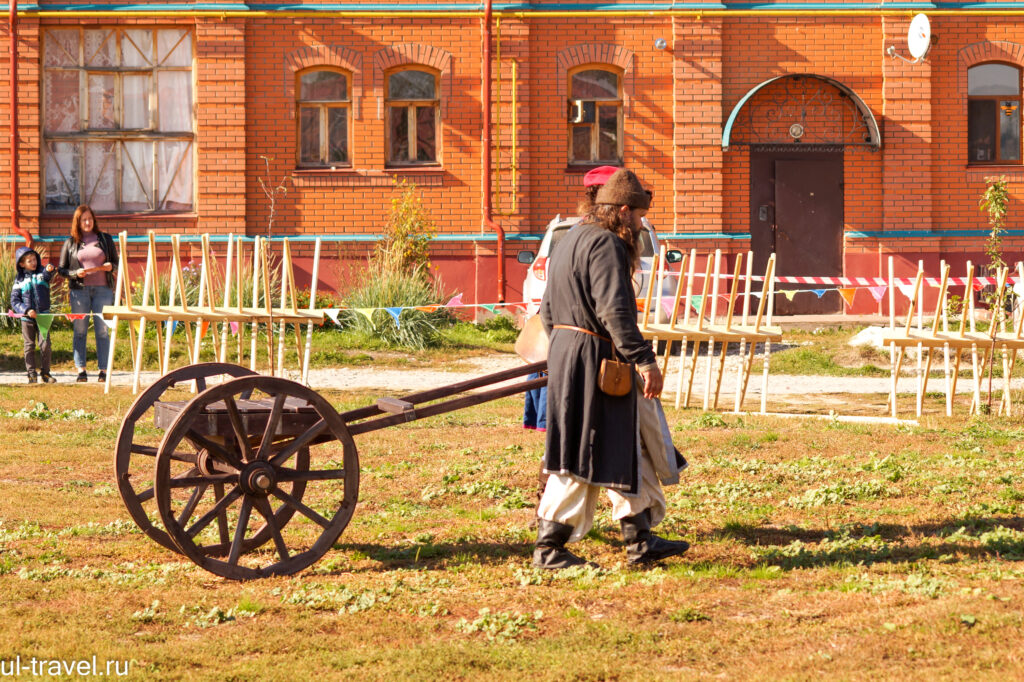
column 820, row 548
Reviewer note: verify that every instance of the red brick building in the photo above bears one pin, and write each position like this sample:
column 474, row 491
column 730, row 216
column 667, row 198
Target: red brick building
column 777, row 125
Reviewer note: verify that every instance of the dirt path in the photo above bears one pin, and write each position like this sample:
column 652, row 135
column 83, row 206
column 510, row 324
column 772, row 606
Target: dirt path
column 399, row 381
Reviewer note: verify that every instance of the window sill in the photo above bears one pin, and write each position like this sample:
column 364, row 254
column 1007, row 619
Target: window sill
column 584, row 168
column 432, row 176
column 153, row 217
column 980, row 172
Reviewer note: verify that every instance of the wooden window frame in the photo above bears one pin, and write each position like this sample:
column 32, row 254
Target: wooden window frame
column 323, row 106
column 1019, row 99
column 595, row 127
column 119, row 136
column 411, row 105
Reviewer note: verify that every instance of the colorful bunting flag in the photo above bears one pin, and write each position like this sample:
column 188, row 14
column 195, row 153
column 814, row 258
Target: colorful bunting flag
column 234, row 327
column 171, row 326
column 427, row 308
column 204, row 327
column 789, row 293
column 878, row 292
column 367, row 313
column 333, row 314
column 819, row 292
column 696, row 302
column 43, row 321
column 489, row 307
column 907, row 290
column 76, row 316
column 395, row 313
column 848, row 295
column 455, row 300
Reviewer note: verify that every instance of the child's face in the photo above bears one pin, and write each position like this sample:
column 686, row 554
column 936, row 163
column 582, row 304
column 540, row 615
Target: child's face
column 29, row 261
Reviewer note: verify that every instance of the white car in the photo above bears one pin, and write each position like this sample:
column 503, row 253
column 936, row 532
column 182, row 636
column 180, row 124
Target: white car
column 537, row 274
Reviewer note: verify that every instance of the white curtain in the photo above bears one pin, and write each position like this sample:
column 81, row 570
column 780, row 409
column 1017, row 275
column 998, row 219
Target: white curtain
column 62, row 186
column 135, row 101
column 174, row 97
column 60, row 92
column 100, row 48
column 136, row 176
column 61, row 48
column 101, row 101
column 99, row 180
column 174, row 168
column 137, row 47
column 172, row 49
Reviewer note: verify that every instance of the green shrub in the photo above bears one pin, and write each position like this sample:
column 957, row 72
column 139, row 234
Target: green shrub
column 398, row 276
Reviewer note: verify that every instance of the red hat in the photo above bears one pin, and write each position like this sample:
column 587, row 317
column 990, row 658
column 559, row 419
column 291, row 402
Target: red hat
column 599, row 175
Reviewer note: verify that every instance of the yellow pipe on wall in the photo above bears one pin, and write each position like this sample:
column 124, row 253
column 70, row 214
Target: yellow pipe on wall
column 514, row 164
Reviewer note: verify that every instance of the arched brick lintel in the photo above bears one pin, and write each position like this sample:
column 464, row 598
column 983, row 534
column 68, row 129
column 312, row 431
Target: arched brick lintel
column 596, row 53
column 407, row 54
column 337, row 56
column 986, row 51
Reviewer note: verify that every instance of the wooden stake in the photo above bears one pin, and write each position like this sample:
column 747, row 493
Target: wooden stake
column 119, row 289
column 226, row 325
column 686, row 321
column 312, row 306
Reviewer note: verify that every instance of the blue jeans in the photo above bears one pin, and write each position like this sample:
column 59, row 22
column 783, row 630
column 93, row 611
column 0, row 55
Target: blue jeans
column 91, row 300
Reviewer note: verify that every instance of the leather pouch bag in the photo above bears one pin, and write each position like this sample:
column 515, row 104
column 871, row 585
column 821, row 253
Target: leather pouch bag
column 615, row 378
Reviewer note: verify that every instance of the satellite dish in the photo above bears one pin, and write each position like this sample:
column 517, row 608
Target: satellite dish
column 919, row 40
column 919, row 37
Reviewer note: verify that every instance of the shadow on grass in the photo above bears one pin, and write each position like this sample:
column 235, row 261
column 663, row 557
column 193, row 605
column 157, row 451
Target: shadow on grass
column 793, row 547
column 439, row 555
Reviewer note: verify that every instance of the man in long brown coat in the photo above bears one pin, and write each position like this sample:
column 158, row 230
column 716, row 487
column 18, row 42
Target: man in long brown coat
column 592, row 438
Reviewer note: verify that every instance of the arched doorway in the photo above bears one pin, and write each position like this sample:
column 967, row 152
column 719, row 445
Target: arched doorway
column 795, row 129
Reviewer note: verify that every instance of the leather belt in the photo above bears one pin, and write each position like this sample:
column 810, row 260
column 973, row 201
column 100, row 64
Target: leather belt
column 581, row 330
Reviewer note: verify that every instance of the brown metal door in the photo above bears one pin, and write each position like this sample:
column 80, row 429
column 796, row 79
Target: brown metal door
column 808, row 231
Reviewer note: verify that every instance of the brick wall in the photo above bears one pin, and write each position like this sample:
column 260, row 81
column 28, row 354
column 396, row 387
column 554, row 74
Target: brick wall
column 676, row 102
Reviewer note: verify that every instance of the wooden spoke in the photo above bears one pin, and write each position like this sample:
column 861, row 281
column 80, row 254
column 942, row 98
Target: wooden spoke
column 299, row 507
column 222, row 516
column 190, row 506
column 300, row 442
column 151, row 451
column 200, row 384
column 243, row 524
column 223, row 502
column 148, row 492
column 236, row 425
column 189, row 481
column 285, row 474
column 272, row 423
column 265, row 510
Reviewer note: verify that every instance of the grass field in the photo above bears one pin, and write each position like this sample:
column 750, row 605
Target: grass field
column 819, row 549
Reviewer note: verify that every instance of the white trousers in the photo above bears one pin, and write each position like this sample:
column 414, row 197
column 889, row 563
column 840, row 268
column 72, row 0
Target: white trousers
column 571, row 502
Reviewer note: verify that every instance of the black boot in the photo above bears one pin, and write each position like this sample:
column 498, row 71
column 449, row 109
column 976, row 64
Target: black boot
column 643, row 546
column 32, row 378
column 550, row 551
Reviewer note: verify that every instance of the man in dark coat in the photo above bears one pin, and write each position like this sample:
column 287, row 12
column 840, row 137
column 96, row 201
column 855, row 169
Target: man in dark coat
column 593, row 438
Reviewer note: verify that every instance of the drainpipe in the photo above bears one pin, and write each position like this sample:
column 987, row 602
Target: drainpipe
column 485, row 175
column 13, row 20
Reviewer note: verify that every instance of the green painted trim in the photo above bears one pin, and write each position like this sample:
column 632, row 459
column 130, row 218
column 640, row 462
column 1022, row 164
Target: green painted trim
column 917, row 234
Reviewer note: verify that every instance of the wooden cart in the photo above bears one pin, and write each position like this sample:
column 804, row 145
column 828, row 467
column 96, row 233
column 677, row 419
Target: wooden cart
column 258, row 475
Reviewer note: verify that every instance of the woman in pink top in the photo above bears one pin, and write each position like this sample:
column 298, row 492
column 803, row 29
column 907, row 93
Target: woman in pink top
column 87, row 260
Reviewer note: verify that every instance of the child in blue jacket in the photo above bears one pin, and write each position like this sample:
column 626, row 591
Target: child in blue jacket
column 30, row 296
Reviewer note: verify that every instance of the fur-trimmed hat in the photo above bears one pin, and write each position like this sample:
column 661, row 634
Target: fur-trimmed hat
column 624, row 189
column 599, row 175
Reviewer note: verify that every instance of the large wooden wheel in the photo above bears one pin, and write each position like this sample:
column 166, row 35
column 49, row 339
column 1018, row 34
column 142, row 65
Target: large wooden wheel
column 138, row 439
column 274, row 430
